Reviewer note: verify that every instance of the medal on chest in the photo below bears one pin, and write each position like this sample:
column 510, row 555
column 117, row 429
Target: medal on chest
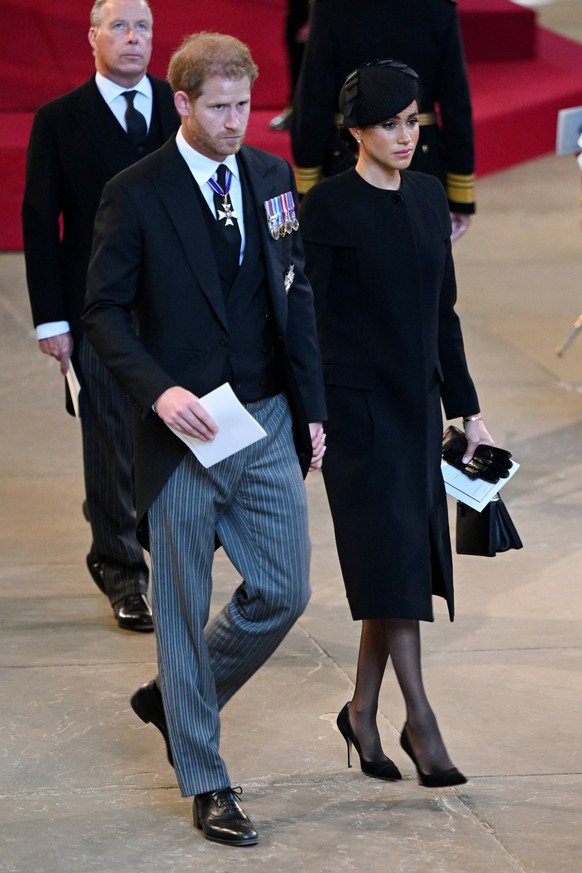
column 281, row 215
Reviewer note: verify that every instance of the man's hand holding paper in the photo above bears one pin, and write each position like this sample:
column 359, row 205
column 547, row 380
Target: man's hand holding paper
column 231, row 426
column 182, row 411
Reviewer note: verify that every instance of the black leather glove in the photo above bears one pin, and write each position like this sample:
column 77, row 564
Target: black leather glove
column 489, row 462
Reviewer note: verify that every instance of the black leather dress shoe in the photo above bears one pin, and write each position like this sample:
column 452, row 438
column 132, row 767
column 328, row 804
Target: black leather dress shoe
column 96, row 570
column 282, row 121
column 133, row 613
column 221, row 818
column 148, row 705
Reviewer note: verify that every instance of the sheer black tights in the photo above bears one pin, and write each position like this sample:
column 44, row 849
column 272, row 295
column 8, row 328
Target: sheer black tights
column 400, row 640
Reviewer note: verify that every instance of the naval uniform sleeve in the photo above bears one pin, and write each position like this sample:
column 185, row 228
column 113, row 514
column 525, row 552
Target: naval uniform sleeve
column 315, row 103
column 454, row 100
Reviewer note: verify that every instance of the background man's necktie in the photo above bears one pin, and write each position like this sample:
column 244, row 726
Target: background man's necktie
column 137, row 128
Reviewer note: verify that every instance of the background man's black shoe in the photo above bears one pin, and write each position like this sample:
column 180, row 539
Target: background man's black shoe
column 95, row 568
column 148, row 705
column 133, row 613
column 221, row 819
column 282, row 121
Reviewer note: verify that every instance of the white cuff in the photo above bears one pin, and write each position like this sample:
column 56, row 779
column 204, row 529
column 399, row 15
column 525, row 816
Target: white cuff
column 51, row 328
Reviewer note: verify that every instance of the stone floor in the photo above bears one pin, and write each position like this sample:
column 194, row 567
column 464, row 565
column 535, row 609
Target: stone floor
column 84, row 785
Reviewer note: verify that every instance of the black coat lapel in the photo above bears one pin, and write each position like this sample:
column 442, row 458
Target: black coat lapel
column 102, row 129
column 262, row 177
column 174, row 186
column 104, row 132
column 263, row 180
column 164, row 106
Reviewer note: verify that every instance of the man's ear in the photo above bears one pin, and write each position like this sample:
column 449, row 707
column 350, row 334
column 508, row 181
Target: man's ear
column 182, row 103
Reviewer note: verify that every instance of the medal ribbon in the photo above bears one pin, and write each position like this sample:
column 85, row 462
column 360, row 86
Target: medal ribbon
column 222, row 192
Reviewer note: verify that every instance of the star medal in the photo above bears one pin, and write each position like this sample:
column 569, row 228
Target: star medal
column 289, row 276
column 227, row 212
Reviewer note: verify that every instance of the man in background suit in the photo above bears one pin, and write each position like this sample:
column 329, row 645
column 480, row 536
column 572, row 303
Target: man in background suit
column 196, row 279
column 78, row 142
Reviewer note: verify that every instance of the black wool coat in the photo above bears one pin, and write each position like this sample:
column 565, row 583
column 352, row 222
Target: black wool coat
column 384, row 285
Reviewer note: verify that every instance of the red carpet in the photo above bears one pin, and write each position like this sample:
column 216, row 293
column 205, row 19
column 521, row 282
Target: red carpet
column 520, row 75
column 497, row 30
column 44, row 50
column 517, row 102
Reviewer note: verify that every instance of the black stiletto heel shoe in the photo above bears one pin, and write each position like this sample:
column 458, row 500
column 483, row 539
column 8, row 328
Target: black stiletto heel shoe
column 432, row 780
column 385, row 769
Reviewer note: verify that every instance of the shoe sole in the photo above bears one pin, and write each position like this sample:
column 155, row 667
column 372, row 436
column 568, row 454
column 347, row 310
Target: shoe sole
column 384, row 778
column 142, row 629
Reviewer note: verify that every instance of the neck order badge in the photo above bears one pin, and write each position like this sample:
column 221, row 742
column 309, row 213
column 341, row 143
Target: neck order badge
column 221, row 187
column 228, row 253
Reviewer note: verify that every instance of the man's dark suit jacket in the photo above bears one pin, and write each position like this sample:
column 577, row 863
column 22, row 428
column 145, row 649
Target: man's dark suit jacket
column 153, row 259
column 76, row 146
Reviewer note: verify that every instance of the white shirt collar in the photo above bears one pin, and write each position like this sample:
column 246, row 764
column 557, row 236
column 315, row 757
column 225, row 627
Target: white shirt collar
column 201, row 167
column 110, row 90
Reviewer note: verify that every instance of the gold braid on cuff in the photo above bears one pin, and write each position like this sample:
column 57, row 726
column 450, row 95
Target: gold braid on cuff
column 461, row 189
column 307, row 177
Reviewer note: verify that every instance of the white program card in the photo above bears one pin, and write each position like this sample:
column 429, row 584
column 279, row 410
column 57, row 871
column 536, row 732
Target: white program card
column 237, row 427
column 473, row 492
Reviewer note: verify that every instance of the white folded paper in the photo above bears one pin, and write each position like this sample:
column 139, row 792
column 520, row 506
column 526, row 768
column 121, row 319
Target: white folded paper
column 74, row 388
column 473, row 492
column 237, row 427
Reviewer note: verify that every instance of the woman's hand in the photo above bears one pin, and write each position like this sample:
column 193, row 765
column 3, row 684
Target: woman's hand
column 483, row 459
column 477, row 434
column 317, row 445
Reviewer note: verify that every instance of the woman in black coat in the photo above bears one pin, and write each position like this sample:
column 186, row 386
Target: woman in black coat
column 378, row 253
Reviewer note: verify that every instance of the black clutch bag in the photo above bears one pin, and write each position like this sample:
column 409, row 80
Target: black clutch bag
column 487, row 532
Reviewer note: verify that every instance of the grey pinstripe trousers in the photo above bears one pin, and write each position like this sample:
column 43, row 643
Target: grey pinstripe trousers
column 256, row 502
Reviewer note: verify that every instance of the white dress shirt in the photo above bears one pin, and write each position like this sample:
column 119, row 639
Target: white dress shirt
column 203, row 169
column 112, row 94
